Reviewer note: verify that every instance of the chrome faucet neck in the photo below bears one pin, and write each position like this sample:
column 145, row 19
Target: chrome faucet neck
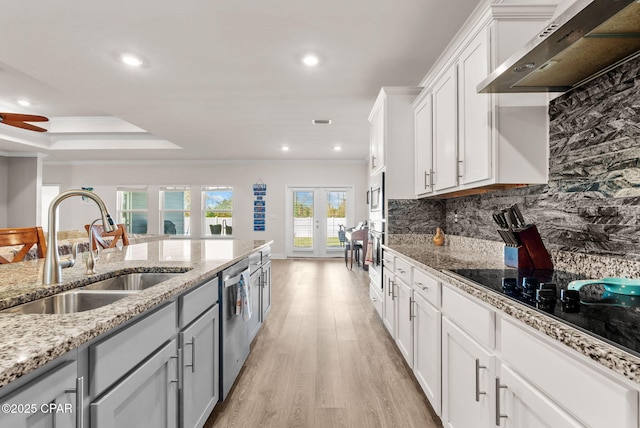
column 52, row 273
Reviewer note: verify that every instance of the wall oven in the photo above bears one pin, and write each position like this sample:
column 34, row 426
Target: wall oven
column 376, row 197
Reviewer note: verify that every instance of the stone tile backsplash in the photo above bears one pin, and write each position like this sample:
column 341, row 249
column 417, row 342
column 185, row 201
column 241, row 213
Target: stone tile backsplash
column 591, row 203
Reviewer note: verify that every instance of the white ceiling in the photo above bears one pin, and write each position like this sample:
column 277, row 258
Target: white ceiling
column 222, row 79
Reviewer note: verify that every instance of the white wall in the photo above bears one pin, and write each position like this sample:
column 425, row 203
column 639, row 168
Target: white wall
column 24, row 186
column 4, row 186
column 106, row 177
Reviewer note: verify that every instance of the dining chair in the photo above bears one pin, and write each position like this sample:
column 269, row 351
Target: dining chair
column 27, row 237
column 120, row 234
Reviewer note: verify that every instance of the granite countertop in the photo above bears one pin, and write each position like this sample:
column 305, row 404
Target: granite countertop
column 30, row 341
column 438, row 261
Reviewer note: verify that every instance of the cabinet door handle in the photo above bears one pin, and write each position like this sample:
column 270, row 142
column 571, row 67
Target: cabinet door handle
column 411, row 314
column 79, row 391
column 393, row 290
column 498, row 414
column 193, row 354
column 178, row 358
column 432, row 174
column 460, row 175
column 425, row 180
column 478, row 392
column 421, row 285
column 389, row 287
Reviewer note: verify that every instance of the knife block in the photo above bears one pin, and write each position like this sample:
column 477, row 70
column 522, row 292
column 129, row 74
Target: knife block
column 517, row 257
column 532, row 252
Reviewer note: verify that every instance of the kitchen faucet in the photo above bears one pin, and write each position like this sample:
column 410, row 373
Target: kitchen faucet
column 52, row 273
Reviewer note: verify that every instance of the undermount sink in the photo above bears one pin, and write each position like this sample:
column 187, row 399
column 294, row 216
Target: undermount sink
column 92, row 296
column 69, row 302
column 131, row 281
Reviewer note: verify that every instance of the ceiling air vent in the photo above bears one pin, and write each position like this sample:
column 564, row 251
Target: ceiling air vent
column 321, row 121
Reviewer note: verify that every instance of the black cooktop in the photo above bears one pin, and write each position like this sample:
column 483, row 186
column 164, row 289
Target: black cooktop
column 614, row 318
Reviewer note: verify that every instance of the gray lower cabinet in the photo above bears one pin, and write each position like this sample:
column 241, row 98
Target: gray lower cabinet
column 147, row 397
column 265, row 300
column 255, row 322
column 200, row 364
column 47, row 401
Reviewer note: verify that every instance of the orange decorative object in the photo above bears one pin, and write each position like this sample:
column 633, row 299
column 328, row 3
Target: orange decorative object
column 438, row 239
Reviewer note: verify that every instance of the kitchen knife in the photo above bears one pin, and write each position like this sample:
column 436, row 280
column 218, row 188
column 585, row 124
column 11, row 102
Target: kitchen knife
column 498, row 220
column 502, row 220
column 507, row 219
column 505, row 238
column 518, row 213
column 511, row 218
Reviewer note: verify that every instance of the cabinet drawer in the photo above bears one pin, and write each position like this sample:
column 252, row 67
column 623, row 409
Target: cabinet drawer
column 427, row 286
column 197, row 301
column 471, row 316
column 403, row 270
column 118, row 354
column 597, row 400
column 388, row 260
column 376, row 299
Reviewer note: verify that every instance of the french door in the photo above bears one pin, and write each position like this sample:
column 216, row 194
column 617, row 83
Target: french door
column 314, row 219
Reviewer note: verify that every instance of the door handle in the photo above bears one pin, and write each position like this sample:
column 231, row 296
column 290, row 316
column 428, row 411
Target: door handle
column 193, row 354
column 478, row 392
column 498, row 414
column 79, row 392
column 411, row 314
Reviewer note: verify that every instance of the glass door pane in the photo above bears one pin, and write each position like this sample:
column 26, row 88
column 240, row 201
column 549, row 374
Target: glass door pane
column 336, row 217
column 303, row 219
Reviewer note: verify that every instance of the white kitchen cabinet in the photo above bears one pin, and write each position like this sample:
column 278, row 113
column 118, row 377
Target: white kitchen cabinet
column 590, row 393
column 392, row 140
column 521, row 405
column 56, row 387
column 404, row 320
column 467, row 380
column 389, row 307
column 427, row 349
column 147, row 397
column 200, row 378
column 423, row 116
column 478, row 141
column 376, row 137
column 445, row 153
column 474, row 124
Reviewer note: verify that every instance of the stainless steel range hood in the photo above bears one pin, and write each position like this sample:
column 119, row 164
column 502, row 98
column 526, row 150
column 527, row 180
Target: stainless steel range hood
column 586, row 40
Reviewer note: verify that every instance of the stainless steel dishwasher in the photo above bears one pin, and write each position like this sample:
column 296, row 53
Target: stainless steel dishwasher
column 234, row 331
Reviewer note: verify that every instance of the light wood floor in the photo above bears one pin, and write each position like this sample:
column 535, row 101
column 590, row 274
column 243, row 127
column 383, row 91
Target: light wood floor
column 323, row 359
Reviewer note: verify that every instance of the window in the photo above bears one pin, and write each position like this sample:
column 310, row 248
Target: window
column 217, row 207
column 175, row 210
column 133, row 209
column 49, row 192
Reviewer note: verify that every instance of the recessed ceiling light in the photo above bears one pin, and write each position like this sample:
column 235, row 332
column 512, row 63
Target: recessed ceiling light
column 321, row 121
column 285, row 148
column 131, row 60
column 24, row 103
column 337, row 148
column 310, row 60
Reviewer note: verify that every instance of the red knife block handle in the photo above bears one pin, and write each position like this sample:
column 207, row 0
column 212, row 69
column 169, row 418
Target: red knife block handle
column 532, row 242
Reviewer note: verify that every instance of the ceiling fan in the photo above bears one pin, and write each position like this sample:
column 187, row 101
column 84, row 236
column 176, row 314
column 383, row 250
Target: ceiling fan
column 19, row 121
